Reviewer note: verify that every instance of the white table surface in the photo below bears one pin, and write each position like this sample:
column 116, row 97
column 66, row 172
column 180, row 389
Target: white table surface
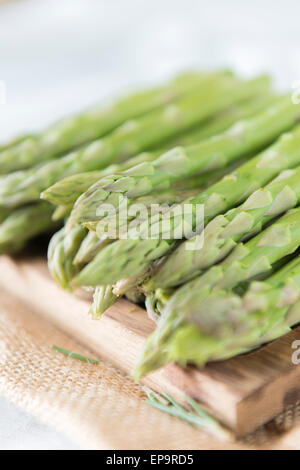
column 58, row 56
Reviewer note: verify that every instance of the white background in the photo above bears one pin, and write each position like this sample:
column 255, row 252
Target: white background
column 57, row 56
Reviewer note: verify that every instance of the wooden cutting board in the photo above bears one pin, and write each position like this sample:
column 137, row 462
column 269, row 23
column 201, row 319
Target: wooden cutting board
column 243, row 392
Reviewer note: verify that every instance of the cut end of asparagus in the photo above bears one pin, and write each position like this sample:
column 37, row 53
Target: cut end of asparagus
column 104, row 298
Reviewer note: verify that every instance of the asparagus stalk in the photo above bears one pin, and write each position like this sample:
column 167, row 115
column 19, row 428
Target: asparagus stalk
column 179, row 163
column 24, row 224
column 191, row 184
column 94, row 242
column 128, row 257
column 16, row 180
column 152, row 204
column 133, row 137
column 68, row 190
column 274, row 303
column 62, row 250
column 13, row 142
column 199, row 301
column 88, row 249
column 103, row 299
column 70, row 250
column 268, row 310
column 223, row 233
column 62, row 212
column 226, row 119
column 63, row 266
column 257, row 256
column 72, row 132
column 253, row 258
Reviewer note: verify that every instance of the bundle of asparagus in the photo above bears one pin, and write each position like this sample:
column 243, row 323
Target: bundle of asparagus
column 231, row 147
column 150, row 120
column 223, row 312
column 66, row 191
column 159, row 113
column 129, row 257
column 105, row 268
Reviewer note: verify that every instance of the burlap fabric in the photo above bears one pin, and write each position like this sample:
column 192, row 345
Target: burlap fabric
column 97, row 406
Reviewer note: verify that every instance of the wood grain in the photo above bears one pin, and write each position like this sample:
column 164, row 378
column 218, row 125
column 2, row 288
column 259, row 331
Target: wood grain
column 243, row 392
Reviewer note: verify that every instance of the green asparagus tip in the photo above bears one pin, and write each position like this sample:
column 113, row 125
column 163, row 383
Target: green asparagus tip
column 73, row 355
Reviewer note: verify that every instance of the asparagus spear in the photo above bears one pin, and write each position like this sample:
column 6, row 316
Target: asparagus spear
column 61, row 253
column 128, row 257
column 222, row 277
column 23, row 224
column 92, row 244
column 224, row 231
column 62, row 212
column 274, row 303
column 64, row 263
column 72, row 132
column 188, row 184
column 226, row 119
column 199, row 301
column 13, row 142
column 211, row 154
column 16, row 180
column 68, row 190
column 89, row 247
column 128, row 140
column 95, row 242
column 106, row 296
column 257, row 256
column 268, row 310
column 70, row 250
column 281, row 314
column 134, row 214
column 103, row 299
